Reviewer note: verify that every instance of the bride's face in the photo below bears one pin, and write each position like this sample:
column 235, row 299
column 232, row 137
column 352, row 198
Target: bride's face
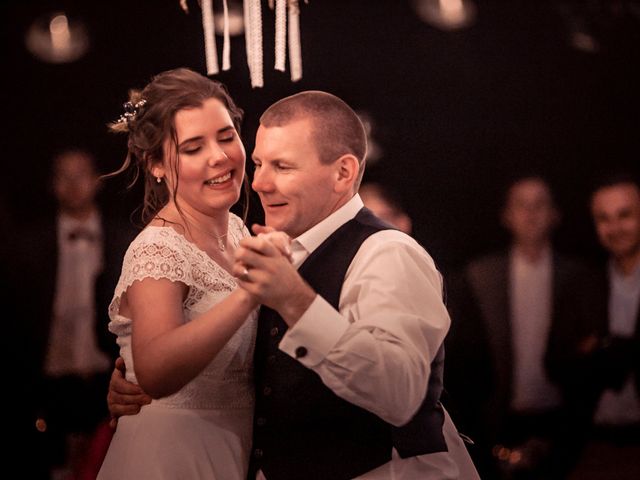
column 208, row 167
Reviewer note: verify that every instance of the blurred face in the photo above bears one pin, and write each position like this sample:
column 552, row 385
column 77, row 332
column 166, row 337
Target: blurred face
column 616, row 214
column 375, row 202
column 210, row 159
column 295, row 188
column 529, row 213
column 75, row 183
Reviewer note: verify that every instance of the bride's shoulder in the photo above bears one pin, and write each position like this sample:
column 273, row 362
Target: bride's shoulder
column 155, row 234
column 156, row 239
column 238, row 226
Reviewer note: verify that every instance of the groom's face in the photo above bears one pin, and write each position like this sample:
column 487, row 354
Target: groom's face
column 296, row 189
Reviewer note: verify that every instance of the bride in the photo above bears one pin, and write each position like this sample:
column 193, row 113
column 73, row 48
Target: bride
column 185, row 332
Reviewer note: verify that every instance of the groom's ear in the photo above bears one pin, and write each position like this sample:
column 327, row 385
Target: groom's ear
column 346, row 173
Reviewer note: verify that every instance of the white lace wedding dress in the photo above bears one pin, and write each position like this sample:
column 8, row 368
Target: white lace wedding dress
column 204, row 430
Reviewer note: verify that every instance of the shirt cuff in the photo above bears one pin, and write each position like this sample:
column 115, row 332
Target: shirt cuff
column 314, row 335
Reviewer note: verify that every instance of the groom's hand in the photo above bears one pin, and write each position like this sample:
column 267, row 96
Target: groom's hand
column 266, row 273
column 124, row 398
column 281, row 240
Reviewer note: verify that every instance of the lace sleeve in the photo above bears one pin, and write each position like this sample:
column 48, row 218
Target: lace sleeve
column 155, row 256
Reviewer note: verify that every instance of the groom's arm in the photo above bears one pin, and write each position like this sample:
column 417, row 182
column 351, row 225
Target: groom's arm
column 376, row 351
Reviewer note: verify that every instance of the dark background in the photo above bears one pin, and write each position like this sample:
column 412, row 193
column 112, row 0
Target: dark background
column 456, row 113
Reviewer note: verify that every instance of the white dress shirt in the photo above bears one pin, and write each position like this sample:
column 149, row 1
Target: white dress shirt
column 73, row 347
column 531, row 292
column 376, row 351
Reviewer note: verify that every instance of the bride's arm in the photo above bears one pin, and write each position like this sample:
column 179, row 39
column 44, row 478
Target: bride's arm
column 167, row 352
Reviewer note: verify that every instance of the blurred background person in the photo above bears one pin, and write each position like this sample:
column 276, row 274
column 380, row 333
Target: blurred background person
column 384, row 203
column 66, row 265
column 518, row 348
column 615, row 446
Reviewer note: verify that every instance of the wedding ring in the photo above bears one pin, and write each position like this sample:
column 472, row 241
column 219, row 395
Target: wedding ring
column 245, row 275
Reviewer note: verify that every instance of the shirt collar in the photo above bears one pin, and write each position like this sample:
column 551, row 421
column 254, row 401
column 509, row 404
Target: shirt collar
column 313, row 238
column 614, row 272
column 518, row 258
column 66, row 223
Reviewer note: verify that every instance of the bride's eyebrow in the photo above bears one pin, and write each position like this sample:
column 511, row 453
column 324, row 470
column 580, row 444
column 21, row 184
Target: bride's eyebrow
column 190, row 140
column 200, row 137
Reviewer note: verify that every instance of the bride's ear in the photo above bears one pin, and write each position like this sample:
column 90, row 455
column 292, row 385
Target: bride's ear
column 158, row 170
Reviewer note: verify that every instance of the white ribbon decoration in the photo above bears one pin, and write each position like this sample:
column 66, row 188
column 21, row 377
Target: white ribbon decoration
column 253, row 40
column 287, row 34
column 281, row 35
column 226, row 46
column 295, row 50
column 211, row 55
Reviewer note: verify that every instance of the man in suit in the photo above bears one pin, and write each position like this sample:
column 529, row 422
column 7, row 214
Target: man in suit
column 615, row 446
column 348, row 360
column 67, row 266
column 521, row 344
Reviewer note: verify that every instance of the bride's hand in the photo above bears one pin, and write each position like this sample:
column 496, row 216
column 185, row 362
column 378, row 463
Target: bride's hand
column 280, row 240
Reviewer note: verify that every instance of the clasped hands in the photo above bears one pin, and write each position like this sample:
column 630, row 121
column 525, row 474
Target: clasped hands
column 263, row 268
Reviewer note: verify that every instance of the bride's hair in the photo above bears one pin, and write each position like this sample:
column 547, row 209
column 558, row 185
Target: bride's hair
column 149, row 119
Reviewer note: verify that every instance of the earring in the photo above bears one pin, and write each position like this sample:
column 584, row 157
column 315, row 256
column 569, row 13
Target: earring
column 159, row 179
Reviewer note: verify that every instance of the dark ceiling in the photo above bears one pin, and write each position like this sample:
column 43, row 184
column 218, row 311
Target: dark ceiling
column 456, row 113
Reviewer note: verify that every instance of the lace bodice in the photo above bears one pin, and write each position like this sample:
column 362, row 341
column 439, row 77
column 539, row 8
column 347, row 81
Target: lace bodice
column 161, row 252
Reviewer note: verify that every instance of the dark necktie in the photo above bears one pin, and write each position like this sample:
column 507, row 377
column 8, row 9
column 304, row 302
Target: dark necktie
column 82, row 234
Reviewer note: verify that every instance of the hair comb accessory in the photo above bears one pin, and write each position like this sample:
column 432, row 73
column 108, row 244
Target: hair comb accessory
column 131, row 110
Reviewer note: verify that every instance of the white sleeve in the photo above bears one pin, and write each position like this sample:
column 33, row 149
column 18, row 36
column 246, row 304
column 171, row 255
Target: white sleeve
column 377, row 350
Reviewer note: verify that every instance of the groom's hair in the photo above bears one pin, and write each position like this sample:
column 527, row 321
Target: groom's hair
column 336, row 128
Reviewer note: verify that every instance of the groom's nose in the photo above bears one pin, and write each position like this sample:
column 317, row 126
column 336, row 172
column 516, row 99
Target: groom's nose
column 262, row 181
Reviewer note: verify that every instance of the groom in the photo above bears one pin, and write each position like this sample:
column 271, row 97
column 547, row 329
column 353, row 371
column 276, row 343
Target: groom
column 349, row 357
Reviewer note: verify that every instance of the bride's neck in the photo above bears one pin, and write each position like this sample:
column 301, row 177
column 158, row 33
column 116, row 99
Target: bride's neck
column 189, row 218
